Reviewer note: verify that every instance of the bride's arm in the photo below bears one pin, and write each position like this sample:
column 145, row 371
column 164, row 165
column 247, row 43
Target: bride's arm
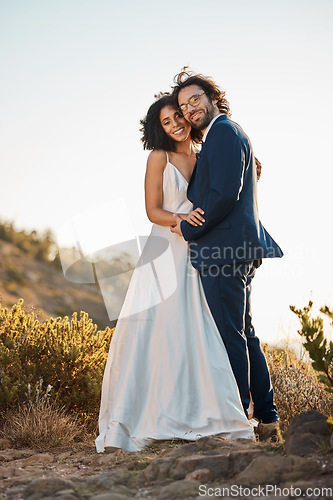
column 154, row 190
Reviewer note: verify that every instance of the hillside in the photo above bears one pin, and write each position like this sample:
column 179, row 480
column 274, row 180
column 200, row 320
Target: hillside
column 44, row 288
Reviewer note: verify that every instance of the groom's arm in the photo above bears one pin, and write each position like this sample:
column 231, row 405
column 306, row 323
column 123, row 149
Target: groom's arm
column 226, row 166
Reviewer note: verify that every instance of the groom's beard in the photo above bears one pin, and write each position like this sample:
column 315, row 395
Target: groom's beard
column 208, row 115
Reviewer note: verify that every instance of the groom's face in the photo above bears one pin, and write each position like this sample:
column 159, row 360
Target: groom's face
column 204, row 110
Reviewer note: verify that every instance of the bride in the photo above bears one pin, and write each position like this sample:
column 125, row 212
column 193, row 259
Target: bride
column 167, row 374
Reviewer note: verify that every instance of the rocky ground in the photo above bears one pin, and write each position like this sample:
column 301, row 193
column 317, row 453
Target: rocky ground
column 175, row 469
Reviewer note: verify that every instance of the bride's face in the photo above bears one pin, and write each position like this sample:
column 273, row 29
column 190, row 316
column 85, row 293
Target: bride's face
column 174, row 124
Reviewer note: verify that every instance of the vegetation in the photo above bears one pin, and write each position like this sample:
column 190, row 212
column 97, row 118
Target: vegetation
column 40, row 423
column 296, row 388
column 68, row 356
column 51, row 375
column 318, row 347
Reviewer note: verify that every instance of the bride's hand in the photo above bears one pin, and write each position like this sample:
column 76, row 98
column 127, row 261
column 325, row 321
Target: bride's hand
column 195, row 217
column 258, row 164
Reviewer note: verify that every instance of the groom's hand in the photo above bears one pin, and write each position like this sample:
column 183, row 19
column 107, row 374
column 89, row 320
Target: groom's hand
column 176, row 228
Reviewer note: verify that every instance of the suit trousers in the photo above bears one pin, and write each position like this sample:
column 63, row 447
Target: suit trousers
column 228, row 293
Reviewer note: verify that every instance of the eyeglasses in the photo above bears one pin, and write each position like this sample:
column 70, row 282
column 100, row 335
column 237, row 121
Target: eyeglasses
column 193, row 100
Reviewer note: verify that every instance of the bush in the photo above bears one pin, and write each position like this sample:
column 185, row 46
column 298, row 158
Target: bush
column 320, row 351
column 67, row 355
column 40, row 423
column 296, row 388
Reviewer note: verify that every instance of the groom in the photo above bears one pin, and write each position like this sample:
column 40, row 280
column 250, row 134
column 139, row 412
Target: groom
column 228, row 247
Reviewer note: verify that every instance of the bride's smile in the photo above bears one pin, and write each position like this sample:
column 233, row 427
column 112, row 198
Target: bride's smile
column 174, row 124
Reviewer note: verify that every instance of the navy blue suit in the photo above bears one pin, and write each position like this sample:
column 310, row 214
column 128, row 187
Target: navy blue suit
column 227, row 248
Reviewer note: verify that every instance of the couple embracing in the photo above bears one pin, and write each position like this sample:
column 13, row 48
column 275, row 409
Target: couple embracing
column 188, row 366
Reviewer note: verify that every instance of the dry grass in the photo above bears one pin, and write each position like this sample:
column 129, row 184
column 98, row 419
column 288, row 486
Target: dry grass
column 296, row 386
column 40, row 424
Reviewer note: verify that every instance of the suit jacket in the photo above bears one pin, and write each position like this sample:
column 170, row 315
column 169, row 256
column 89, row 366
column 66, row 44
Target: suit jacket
column 224, row 185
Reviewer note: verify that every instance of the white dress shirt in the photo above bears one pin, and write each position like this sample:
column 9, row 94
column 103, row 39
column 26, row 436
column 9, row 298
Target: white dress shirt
column 209, row 126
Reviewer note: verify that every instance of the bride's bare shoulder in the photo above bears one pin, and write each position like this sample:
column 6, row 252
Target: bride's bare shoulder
column 157, row 159
column 157, row 155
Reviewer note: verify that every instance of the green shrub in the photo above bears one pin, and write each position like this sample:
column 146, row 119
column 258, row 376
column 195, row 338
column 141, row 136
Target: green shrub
column 319, row 349
column 67, row 355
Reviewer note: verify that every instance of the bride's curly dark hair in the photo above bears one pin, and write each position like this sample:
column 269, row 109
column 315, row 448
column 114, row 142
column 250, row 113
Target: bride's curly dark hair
column 153, row 134
column 187, row 77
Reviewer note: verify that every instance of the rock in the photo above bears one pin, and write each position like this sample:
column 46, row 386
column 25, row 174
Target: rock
column 201, row 475
column 111, row 496
column 111, row 449
column 212, row 443
column 261, row 470
column 303, row 444
column 239, row 460
column 170, row 473
column 64, row 455
column 41, row 488
column 39, row 459
column 62, row 493
column 108, row 479
column 104, row 459
column 272, row 468
column 177, row 489
column 302, row 485
column 121, row 491
column 79, row 454
column 307, row 433
column 6, row 472
column 8, row 455
column 62, row 496
column 93, row 460
column 158, row 469
column 182, row 451
column 14, row 493
column 217, row 464
column 30, row 473
column 244, row 443
column 299, row 468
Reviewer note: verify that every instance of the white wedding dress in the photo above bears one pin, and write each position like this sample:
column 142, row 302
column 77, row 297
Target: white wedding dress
column 167, row 374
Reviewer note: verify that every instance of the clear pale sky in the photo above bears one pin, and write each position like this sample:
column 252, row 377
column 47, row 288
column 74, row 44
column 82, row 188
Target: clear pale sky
column 78, row 75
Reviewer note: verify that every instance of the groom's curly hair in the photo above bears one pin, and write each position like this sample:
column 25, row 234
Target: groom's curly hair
column 187, row 77
column 153, row 134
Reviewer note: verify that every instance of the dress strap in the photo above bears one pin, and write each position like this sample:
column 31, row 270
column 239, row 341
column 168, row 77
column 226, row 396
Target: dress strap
column 167, row 156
